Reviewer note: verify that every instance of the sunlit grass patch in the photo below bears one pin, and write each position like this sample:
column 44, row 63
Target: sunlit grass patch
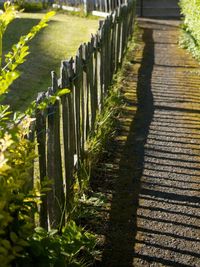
column 60, row 40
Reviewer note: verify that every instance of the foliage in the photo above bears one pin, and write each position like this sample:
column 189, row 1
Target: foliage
column 190, row 38
column 19, row 52
column 75, row 247
column 48, row 100
column 104, row 130
column 20, row 243
column 104, row 126
column 32, row 6
column 17, row 203
column 89, row 207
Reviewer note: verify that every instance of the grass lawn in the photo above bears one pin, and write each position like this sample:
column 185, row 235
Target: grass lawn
column 60, row 40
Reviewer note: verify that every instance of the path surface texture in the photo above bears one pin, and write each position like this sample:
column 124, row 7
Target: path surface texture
column 155, row 175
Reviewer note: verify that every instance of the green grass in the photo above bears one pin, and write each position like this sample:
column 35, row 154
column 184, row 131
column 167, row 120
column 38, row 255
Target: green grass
column 60, row 40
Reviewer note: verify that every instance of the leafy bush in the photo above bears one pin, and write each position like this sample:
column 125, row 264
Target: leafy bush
column 190, row 39
column 74, row 247
column 21, row 244
column 17, row 206
column 32, row 6
column 17, row 203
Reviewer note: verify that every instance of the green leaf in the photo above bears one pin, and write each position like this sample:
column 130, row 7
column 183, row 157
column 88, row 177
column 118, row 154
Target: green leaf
column 53, row 232
column 63, row 92
column 13, row 237
column 6, row 243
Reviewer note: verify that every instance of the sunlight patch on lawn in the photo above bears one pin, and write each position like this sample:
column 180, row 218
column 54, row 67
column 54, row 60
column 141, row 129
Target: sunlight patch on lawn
column 60, row 40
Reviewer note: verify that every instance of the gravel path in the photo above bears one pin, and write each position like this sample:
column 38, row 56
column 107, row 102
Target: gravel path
column 155, row 209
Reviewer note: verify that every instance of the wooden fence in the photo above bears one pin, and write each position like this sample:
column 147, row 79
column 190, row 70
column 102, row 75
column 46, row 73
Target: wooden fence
column 92, row 5
column 61, row 130
column 104, row 5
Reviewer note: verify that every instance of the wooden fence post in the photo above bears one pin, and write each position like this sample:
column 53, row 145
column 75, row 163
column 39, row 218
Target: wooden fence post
column 68, row 133
column 92, row 78
column 88, row 6
column 56, row 203
column 85, row 90
column 41, row 140
column 102, row 62
column 78, row 83
column 31, row 138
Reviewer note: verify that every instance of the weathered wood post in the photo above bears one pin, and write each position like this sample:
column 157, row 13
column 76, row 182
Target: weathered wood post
column 86, row 6
column 41, row 140
column 141, row 8
column 68, row 132
column 55, row 197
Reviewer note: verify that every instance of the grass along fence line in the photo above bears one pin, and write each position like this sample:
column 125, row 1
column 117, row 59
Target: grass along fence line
column 88, row 76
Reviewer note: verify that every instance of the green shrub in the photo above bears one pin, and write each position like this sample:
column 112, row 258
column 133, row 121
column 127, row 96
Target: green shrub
column 190, row 38
column 32, row 6
column 21, row 244
column 74, row 247
column 17, row 203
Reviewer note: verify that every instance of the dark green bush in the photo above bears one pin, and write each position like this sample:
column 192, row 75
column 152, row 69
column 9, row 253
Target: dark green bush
column 73, row 247
column 32, row 6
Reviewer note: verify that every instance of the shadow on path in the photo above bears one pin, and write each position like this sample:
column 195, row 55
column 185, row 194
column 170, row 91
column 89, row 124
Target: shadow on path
column 120, row 237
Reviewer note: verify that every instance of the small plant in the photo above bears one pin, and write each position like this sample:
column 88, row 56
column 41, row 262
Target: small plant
column 74, row 247
column 104, row 126
column 89, row 207
column 103, row 131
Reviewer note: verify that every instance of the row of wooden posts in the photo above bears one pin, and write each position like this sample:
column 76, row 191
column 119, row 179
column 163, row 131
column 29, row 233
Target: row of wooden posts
column 92, row 5
column 62, row 128
column 102, row 5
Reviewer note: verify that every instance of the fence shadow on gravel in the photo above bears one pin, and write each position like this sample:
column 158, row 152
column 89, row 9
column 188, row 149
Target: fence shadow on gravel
column 120, row 237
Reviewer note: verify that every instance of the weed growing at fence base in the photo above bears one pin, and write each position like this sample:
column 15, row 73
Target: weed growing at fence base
column 106, row 123
column 104, row 131
column 75, row 247
column 93, row 208
column 104, row 126
column 88, row 203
